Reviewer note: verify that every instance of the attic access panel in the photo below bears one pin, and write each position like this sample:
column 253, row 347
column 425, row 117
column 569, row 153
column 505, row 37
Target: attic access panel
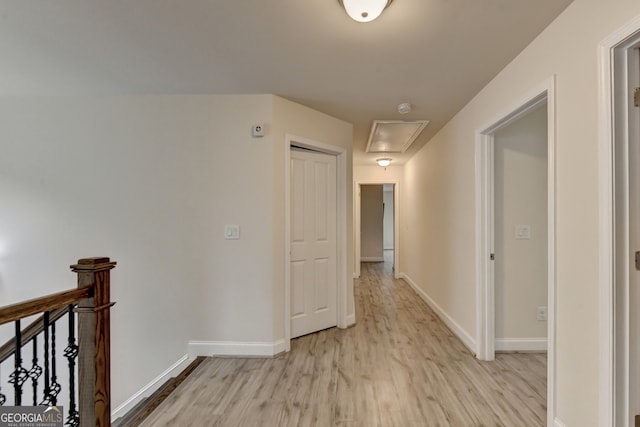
column 393, row 136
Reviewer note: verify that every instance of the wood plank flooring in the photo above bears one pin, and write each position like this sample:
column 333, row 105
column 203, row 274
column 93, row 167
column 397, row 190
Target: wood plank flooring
column 398, row 366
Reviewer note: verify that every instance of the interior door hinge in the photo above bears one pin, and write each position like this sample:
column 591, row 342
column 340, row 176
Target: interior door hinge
column 492, row 257
column 636, row 97
column 638, row 260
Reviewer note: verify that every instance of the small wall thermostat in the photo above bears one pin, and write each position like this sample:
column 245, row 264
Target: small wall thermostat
column 257, row 130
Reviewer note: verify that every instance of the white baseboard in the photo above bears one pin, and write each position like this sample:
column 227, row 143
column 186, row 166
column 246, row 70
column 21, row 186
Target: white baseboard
column 149, row 389
column 521, row 344
column 201, row 348
column 371, row 259
column 235, row 348
column 351, row 320
column 466, row 339
column 558, row 423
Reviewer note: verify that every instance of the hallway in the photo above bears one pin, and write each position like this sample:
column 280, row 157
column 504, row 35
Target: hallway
column 398, row 366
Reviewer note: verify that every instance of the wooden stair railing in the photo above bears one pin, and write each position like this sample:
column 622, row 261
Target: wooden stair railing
column 91, row 303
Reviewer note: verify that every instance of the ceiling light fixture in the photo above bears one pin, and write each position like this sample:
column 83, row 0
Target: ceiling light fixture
column 383, row 162
column 364, row 10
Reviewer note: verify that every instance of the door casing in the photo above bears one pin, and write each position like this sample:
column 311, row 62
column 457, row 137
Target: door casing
column 357, row 224
column 618, row 74
column 314, row 254
column 485, row 295
column 344, row 320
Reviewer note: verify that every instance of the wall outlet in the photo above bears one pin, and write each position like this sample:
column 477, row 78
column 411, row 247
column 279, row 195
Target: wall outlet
column 542, row 314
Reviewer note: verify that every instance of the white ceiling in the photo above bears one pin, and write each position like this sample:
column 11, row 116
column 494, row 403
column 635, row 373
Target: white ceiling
column 435, row 54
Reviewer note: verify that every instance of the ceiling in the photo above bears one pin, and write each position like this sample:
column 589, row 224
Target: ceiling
column 434, row 54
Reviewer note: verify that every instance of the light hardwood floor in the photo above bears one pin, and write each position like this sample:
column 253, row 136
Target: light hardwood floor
column 398, row 366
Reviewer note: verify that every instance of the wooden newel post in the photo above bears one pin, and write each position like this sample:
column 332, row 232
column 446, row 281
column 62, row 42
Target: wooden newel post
column 94, row 364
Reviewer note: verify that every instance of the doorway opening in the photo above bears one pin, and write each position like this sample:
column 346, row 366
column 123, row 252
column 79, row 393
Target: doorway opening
column 341, row 275
column 313, row 242
column 543, row 95
column 520, row 234
column 376, row 227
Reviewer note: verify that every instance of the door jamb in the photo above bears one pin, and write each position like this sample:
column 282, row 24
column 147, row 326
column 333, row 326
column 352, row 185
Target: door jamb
column 396, row 223
column 614, row 255
column 341, row 229
column 485, row 303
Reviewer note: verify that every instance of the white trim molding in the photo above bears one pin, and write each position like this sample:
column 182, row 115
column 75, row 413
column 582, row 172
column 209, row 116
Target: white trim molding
column 457, row 330
column 612, row 71
column 146, row 391
column 558, row 423
column 371, row 259
column 533, row 345
column 235, row 348
column 485, row 303
column 350, row 320
column 342, row 275
column 357, row 199
column 201, row 348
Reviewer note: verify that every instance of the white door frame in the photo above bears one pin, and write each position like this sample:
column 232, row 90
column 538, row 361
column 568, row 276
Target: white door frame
column 341, row 228
column 357, row 187
column 485, row 295
column 614, row 255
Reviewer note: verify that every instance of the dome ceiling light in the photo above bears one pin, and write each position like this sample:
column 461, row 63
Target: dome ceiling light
column 364, row 10
column 383, row 162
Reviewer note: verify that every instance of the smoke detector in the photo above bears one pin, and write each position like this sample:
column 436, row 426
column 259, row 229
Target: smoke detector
column 404, row 108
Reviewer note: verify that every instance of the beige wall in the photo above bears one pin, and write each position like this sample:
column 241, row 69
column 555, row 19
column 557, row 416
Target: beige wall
column 151, row 181
column 438, row 228
column 376, row 174
column 520, row 152
column 371, row 223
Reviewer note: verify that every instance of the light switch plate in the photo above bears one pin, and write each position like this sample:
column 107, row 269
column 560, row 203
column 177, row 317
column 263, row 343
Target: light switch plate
column 523, row 231
column 542, row 314
column 231, row 232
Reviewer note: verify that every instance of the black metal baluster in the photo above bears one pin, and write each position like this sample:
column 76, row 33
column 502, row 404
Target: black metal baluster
column 3, row 398
column 71, row 353
column 55, row 387
column 46, row 398
column 35, row 371
column 19, row 375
